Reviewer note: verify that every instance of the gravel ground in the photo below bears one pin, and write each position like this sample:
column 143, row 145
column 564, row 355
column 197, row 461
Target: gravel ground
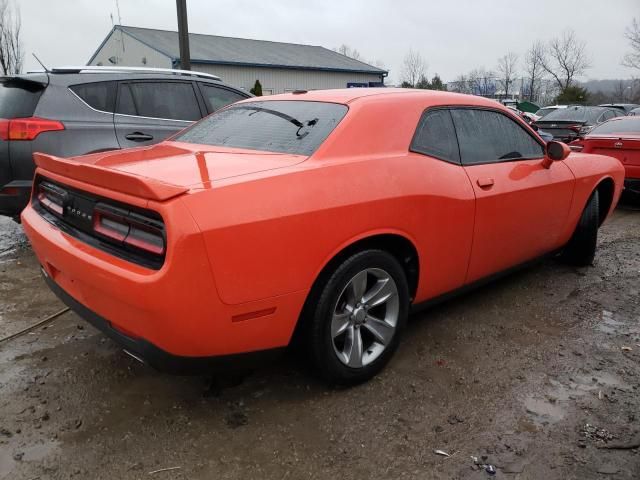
column 536, row 375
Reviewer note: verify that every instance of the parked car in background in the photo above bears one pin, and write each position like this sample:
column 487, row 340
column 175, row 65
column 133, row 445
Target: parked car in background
column 322, row 216
column 551, row 108
column 573, row 122
column 526, row 116
column 619, row 138
column 634, row 112
column 77, row 110
column 625, row 107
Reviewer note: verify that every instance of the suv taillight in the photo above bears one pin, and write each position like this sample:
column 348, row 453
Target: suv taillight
column 129, row 228
column 27, row 128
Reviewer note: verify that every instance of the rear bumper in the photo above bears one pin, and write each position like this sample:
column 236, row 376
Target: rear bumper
column 164, row 314
column 156, row 357
column 14, row 197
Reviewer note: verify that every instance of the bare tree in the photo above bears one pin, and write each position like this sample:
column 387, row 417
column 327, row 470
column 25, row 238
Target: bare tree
column 11, row 54
column 481, row 82
column 347, row 51
column 565, row 59
column 414, row 67
column 533, row 68
column 507, row 71
column 632, row 59
column 621, row 91
column 460, row 85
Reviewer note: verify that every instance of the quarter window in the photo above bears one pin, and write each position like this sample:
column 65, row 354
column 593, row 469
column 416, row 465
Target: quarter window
column 216, row 97
column 98, row 95
column 486, row 136
column 436, row 136
column 170, row 100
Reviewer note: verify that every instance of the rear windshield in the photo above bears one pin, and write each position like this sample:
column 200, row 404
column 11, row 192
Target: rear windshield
column 18, row 99
column 545, row 111
column 624, row 125
column 574, row 114
column 295, row 127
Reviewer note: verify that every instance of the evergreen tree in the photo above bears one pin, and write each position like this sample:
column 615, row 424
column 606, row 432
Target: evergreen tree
column 257, row 89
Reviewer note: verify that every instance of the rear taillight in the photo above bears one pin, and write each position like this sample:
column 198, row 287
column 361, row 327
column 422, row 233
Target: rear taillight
column 51, row 197
column 27, row 128
column 129, row 228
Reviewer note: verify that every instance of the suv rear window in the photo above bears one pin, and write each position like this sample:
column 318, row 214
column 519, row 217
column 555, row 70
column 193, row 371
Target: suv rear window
column 18, row 98
column 296, row 127
column 98, row 95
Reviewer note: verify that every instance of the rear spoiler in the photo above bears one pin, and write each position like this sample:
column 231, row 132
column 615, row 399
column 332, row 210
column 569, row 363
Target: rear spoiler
column 122, row 182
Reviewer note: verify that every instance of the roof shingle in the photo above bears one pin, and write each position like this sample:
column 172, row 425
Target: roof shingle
column 242, row 51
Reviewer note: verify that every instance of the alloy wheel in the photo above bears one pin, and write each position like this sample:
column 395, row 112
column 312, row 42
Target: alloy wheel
column 365, row 317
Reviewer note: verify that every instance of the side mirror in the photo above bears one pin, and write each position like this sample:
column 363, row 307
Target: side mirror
column 555, row 151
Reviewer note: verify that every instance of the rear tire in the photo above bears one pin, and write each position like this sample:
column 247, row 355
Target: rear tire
column 581, row 249
column 356, row 318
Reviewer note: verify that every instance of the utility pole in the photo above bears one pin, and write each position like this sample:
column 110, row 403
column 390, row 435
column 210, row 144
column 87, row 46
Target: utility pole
column 183, row 35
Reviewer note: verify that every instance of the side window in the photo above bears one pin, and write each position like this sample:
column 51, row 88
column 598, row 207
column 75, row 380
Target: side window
column 436, row 136
column 125, row 101
column 486, row 136
column 98, row 95
column 169, row 100
column 216, row 97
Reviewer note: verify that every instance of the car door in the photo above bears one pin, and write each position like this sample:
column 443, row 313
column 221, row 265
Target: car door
column 149, row 111
column 521, row 206
column 448, row 206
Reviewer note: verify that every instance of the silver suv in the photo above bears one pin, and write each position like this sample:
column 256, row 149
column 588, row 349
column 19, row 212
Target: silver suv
column 78, row 110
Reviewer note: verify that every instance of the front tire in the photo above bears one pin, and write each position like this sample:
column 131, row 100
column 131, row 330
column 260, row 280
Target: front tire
column 581, row 249
column 357, row 317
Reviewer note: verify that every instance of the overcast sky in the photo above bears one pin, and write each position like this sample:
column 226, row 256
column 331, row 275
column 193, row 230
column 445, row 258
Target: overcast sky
column 453, row 36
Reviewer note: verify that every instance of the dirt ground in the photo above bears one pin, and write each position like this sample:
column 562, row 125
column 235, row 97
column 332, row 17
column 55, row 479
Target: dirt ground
column 537, row 374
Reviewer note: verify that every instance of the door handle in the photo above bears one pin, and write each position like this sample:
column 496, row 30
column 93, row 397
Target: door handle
column 485, row 182
column 138, row 137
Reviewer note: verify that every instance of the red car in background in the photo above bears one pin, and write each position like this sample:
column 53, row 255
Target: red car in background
column 322, row 216
column 619, row 138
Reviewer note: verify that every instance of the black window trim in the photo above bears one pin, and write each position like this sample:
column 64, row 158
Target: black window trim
column 200, row 84
column 414, row 149
column 122, row 83
column 511, row 117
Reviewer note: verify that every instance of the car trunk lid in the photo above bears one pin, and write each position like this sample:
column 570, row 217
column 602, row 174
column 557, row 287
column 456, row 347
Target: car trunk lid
column 626, row 149
column 165, row 170
column 562, row 129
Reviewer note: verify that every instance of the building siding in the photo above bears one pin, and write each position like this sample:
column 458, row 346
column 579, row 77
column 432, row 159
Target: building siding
column 281, row 80
column 132, row 55
column 273, row 80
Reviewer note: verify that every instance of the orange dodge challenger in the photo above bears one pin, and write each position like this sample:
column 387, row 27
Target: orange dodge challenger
column 326, row 214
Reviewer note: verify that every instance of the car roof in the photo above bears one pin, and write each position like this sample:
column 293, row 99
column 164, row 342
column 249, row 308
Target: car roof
column 87, row 74
column 349, row 95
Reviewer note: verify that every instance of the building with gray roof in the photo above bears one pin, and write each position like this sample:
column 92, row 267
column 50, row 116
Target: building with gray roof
column 280, row 67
